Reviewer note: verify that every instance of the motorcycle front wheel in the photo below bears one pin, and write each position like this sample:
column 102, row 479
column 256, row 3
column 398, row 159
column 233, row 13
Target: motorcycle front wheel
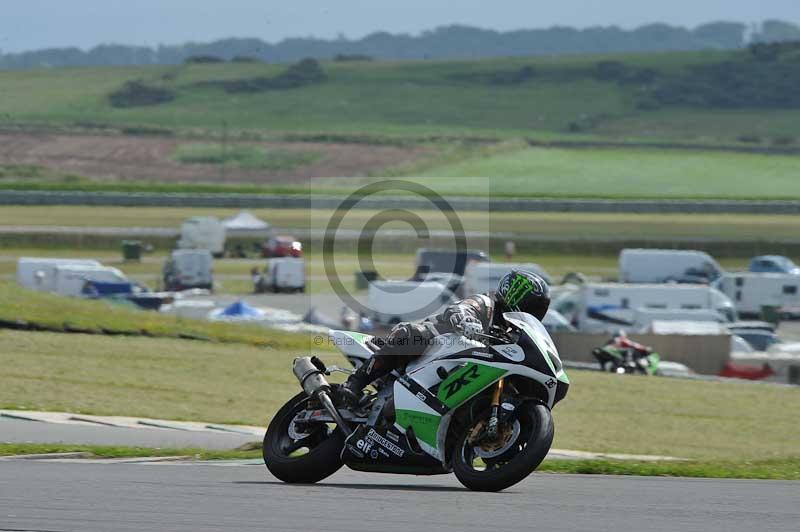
column 521, row 444
column 301, row 454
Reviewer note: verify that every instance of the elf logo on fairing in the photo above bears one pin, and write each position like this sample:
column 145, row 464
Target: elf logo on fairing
column 364, row 446
column 459, row 382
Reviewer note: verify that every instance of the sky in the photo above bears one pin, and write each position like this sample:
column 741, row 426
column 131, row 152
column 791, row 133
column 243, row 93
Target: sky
column 35, row 24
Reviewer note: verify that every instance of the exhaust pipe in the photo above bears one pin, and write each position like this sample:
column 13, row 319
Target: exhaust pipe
column 310, row 372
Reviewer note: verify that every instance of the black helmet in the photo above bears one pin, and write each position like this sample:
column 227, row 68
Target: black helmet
column 521, row 291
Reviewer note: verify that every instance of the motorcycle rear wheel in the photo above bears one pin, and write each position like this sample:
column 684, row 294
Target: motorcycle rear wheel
column 518, row 457
column 301, row 460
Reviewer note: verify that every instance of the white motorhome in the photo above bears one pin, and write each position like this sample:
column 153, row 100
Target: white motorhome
column 37, row 273
column 606, row 307
column 752, row 291
column 188, row 268
column 203, row 232
column 71, row 278
column 391, row 302
column 284, row 274
column 482, row 277
column 667, row 265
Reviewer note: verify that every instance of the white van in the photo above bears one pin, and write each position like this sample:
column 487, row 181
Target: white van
column 751, row 291
column 203, row 232
column 606, row 307
column 667, row 265
column 71, row 278
column 482, row 277
column 285, row 274
column 37, row 273
column 188, row 268
column 391, row 302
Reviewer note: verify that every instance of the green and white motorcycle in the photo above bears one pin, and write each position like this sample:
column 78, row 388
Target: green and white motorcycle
column 478, row 408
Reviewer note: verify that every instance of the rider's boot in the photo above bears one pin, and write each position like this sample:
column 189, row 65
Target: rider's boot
column 350, row 391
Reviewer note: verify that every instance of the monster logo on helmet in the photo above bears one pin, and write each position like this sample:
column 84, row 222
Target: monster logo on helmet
column 524, row 292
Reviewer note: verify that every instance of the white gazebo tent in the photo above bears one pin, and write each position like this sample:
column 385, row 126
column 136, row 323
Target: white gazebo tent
column 245, row 225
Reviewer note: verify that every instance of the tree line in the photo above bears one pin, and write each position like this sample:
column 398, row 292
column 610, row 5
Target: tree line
column 448, row 42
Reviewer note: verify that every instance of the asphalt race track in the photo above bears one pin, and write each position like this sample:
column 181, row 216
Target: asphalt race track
column 46, row 496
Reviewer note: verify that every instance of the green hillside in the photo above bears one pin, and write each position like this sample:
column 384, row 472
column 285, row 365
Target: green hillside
column 576, row 97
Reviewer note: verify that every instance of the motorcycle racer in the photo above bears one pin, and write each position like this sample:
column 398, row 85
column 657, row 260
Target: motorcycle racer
column 517, row 291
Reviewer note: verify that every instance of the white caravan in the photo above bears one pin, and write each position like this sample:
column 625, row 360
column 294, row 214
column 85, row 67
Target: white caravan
column 390, row 302
column 203, row 232
column 667, row 265
column 71, row 278
column 37, row 273
column 606, row 307
column 482, row 277
column 752, row 291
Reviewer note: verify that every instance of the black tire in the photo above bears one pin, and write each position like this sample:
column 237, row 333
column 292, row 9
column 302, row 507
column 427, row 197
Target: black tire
column 322, row 459
column 536, row 434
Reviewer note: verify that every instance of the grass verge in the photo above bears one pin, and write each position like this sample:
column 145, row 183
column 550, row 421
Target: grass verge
column 118, row 451
column 784, row 469
column 61, row 313
column 238, row 383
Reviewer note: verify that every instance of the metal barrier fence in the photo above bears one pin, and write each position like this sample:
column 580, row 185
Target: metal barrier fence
column 258, row 201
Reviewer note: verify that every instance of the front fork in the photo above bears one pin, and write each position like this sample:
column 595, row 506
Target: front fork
column 491, row 428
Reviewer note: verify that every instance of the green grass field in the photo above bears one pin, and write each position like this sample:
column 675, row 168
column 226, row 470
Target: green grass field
column 620, row 173
column 179, row 379
column 548, row 225
column 18, row 304
column 389, row 98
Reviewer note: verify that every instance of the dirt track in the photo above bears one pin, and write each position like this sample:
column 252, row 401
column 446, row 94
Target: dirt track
column 150, row 159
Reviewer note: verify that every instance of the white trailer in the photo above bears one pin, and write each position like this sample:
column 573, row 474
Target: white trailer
column 752, row 291
column 667, row 265
column 482, row 277
column 391, row 302
column 284, row 274
column 188, row 268
column 606, row 307
column 71, row 278
column 203, row 232
column 37, row 273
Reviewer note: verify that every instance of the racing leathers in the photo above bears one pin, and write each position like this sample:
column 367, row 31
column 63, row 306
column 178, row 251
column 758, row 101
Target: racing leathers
column 407, row 341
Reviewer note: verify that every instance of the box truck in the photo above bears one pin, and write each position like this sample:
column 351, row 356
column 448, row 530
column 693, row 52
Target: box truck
column 203, row 232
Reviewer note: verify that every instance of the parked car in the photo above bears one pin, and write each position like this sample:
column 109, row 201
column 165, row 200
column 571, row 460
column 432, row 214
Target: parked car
column 188, row 268
column 282, row 246
column 773, row 264
column 667, row 265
